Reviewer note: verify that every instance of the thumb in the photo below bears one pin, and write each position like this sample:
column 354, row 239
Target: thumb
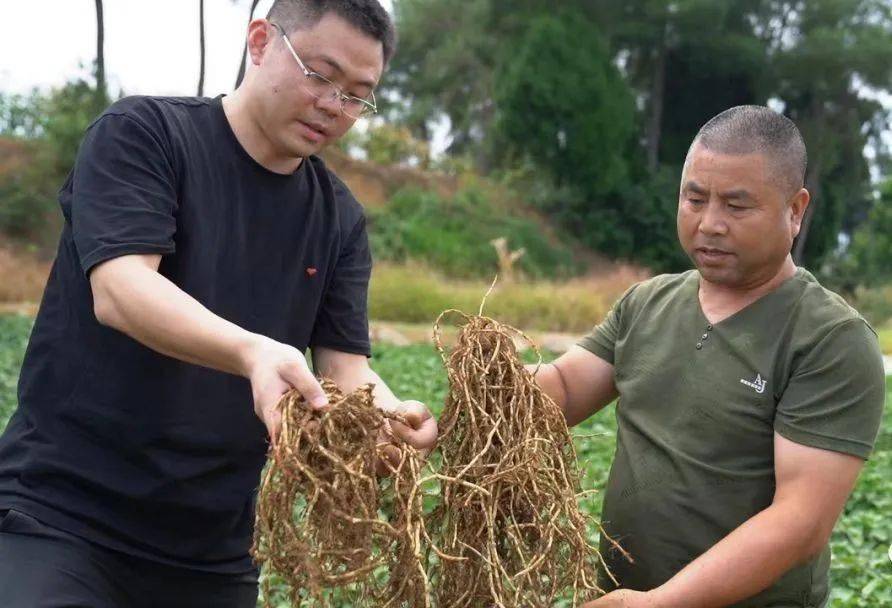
column 300, row 377
column 414, row 413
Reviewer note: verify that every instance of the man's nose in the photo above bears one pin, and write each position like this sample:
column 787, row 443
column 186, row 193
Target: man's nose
column 712, row 222
column 330, row 104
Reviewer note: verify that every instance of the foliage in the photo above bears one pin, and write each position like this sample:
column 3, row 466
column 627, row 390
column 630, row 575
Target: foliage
column 637, row 222
column 572, row 126
column 871, row 250
column 454, row 234
column 885, row 333
column 821, row 61
column 20, row 115
column 387, row 144
column 53, row 125
column 14, row 331
column 443, row 68
column 875, row 303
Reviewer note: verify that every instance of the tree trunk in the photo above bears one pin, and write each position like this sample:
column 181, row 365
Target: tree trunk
column 813, row 185
column 657, row 95
column 201, row 44
column 812, row 181
column 100, row 49
column 242, row 65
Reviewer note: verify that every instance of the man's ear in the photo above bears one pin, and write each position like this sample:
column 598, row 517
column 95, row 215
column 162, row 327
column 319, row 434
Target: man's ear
column 796, row 209
column 261, row 34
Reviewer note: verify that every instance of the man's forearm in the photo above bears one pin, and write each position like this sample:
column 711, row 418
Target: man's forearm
column 550, row 381
column 152, row 310
column 745, row 562
column 352, row 376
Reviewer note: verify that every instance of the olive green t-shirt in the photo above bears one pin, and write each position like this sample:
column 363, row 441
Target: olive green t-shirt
column 698, row 408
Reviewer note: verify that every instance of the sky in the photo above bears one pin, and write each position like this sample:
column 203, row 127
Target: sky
column 151, row 48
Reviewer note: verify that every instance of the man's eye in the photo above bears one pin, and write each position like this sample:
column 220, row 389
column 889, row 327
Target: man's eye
column 319, row 76
column 696, row 201
column 736, row 208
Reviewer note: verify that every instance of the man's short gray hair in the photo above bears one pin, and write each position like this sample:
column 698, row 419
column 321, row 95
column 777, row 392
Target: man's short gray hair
column 758, row 129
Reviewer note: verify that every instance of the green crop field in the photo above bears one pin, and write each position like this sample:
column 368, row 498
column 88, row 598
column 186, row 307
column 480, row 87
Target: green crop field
column 861, row 571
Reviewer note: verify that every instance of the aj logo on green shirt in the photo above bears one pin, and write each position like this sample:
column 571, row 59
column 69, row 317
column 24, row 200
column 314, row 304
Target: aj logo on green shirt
column 758, row 384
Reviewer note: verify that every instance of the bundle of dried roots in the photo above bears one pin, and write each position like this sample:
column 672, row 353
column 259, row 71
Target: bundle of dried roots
column 509, row 531
column 327, row 526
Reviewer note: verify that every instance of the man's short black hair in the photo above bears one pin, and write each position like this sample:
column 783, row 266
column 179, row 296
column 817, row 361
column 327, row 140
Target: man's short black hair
column 368, row 16
column 758, row 129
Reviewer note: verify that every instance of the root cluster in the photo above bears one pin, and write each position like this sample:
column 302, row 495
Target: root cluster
column 506, row 531
column 321, row 526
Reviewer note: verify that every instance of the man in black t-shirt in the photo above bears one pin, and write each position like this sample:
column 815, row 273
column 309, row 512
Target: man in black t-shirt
column 205, row 248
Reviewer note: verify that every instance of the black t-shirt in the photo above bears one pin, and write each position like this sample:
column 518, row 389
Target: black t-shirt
column 135, row 450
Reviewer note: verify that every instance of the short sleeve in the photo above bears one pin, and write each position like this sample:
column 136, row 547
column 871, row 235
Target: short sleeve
column 601, row 341
column 343, row 322
column 834, row 399
column 122, row 192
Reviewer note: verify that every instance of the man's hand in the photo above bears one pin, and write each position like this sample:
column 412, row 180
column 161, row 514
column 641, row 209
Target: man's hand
column 624, row 598
column 273, row 369
column 421, row 429
column 350, row 371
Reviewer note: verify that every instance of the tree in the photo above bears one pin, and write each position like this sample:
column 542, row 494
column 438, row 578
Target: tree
column 684, row 62
column 51, row 126
column 444, row 69
column 871, row 250
column 100, row 49
column 201, row 47
column 823, row 53
column 575, row 127
column 687, row 60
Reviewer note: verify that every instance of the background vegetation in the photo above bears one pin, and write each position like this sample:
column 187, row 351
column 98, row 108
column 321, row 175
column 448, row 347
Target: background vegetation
column 564, row 129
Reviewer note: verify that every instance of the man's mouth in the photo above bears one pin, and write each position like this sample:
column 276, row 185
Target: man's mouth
column 313, row 131
column 711, row 254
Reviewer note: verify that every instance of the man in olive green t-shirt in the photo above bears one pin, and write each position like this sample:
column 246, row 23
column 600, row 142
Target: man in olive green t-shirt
column 749, row 395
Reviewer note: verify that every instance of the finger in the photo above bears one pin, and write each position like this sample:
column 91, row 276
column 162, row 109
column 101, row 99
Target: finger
column 413, row 419
column 420, row 430
column 422, row 438
column 388, row 459
column 273, row 422
column 414, row 413
column 300, row 377
column 266, row 404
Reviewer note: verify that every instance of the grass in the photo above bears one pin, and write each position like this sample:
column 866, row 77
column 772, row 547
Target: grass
column 416, row 294
column 861, row 572
column 885, row 333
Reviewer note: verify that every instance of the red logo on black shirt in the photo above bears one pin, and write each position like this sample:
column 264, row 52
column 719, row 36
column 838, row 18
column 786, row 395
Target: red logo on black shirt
column 310, row 271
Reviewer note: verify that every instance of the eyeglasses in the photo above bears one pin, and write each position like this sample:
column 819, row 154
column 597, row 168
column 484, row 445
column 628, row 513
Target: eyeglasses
column 320, row 87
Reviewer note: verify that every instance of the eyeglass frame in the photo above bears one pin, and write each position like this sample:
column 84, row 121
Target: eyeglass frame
column 369, row 107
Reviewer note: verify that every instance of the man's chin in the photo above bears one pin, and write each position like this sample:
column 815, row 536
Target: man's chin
column 719, row 275
column 301, row 148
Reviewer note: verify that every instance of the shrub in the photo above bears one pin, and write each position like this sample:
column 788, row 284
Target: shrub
column 454, row 234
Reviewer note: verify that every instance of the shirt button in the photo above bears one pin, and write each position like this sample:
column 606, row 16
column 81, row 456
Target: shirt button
column 709, row 328
column 705, row 337
column 699, row 345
